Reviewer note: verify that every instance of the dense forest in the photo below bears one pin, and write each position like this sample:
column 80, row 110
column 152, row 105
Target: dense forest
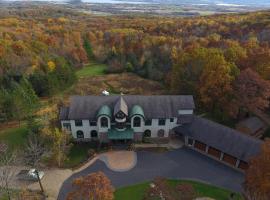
column 223, row 60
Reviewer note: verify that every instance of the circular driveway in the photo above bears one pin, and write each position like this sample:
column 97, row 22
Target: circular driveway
column 178, row 164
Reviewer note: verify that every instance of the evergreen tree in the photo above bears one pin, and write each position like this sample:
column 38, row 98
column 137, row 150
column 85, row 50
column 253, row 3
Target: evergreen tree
column 88, row 48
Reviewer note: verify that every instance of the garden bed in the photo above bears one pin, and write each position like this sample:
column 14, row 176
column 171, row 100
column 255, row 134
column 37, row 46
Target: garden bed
column 81, row 152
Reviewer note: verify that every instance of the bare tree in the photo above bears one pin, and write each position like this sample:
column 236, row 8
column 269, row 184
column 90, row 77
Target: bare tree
column 34, row 151
column 7, row 172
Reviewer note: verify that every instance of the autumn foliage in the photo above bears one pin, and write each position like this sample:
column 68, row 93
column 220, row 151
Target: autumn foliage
column 252, row 90
column 161, row 189
column 257, row 183
column 213, row 58
column 95, row 186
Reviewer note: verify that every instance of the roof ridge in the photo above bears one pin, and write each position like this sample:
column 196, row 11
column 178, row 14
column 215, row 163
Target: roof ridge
column 227, row 127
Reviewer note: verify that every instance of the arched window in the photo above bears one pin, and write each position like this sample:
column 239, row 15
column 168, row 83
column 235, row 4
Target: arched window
column 137, row 122
column 80, row 134
column 94, row 134
column 147, row 133
column 104, row 122
column 161, row 133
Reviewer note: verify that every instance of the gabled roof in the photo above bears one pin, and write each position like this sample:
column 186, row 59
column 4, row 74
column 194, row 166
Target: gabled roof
column 156, row 106
column 121, row 105
column 222, row 138
column 252, row 123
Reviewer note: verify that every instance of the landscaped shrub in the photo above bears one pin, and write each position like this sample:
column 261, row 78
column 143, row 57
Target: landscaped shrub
column 161, row 189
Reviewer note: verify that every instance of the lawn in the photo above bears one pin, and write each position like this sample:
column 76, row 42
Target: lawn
column 78, row 154
column 92, row 69
column 136, row 192
column 14, row 137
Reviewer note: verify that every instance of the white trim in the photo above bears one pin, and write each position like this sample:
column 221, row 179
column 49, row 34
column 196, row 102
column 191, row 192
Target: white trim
column 185, row 112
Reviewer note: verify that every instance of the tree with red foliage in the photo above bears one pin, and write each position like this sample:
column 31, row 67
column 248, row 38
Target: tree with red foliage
column 95, row 186
column 252, row 91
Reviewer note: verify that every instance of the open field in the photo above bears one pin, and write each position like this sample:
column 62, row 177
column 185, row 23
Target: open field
column 126, row 83
column 92, row 69
column 136, row 192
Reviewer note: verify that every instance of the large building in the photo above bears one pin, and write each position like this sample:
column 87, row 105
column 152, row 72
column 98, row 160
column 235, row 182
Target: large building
column 125, row 117
column 134, row 117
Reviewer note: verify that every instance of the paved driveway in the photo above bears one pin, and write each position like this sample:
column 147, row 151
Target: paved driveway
column 178, row 164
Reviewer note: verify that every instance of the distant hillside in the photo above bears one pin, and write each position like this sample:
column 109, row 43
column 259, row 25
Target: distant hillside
column 216, row 2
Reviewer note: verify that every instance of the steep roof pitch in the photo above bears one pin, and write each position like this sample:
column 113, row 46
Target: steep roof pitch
column 136, row 110
column 121, row 105
column 157, row 106
column 104, row 110
column 221, row 137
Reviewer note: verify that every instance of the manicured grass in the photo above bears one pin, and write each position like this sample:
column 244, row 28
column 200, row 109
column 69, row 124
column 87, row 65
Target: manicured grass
column 136, row 192
column 92, row 69
column 14, row 137
column 207, row 190
column 78, row 154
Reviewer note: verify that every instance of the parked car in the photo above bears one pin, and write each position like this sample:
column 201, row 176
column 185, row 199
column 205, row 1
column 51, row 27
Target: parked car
column 30, row 175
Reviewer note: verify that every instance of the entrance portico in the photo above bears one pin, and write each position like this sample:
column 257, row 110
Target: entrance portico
column 127, row 134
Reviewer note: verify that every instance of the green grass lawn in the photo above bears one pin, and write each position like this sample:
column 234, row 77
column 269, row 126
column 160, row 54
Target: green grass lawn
column 14, row 137
column 77, row 155
column 136, row 192
column 13, row 192
column 92, row 69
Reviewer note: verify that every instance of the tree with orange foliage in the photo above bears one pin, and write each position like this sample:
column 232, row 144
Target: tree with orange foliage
column 257, row 183
column 95, row 186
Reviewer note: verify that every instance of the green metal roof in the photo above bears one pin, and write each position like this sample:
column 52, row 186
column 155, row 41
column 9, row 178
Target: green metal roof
column 136, row 110
column 105, row 110
column 114, row 134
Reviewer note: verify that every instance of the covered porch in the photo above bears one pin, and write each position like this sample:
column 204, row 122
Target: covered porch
column 121, row 135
